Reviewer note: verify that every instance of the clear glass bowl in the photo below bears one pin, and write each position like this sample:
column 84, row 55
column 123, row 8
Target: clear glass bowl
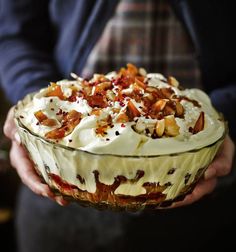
column 114, row 181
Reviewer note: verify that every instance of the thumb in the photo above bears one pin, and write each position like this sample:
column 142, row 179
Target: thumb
column 9, row 127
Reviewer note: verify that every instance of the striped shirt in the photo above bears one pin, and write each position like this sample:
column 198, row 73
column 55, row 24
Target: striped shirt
column 147, row 34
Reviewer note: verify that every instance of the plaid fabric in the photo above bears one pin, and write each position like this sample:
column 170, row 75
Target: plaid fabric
column 146, row 33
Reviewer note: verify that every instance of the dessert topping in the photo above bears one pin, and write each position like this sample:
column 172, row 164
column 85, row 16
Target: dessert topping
column 130, row 96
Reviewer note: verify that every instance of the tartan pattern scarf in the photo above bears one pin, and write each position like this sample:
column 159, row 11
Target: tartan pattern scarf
column 147, row 34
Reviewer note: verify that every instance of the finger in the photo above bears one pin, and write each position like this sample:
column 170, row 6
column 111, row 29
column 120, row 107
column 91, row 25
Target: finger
column 9, row 127
column 61, row 201
column 222, row 164
column 203, row 188
column 25, row 170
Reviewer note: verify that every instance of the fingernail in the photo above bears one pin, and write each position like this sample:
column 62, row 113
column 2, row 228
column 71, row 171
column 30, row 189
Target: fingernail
column 59, row 200
column 45, row 194
column 17, row 138
column 210, row 174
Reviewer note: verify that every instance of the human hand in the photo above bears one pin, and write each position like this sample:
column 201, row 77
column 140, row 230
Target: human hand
column 23, row 165
column 221, row 166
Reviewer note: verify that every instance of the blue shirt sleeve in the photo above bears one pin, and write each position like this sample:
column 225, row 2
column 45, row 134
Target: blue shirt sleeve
column 26, row 47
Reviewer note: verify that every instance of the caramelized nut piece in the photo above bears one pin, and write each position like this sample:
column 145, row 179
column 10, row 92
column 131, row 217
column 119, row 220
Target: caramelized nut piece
column 55, row 90
column 142, row 71
column 49, row 122
column 171, row 127
column 140, row 83
column 167, row 92
column 169, row 109
column 110, row 95
column 102, row 86
column 159, row 105
column 70, row 121
column 132, row 69
column 172, row 81
column 132, row 111
column 155, row 92
column 199, row 125
column 100, row 78
column 44, row 120
column 96, row 112
column 40, row 116
column 179, row 109
column 160, row 127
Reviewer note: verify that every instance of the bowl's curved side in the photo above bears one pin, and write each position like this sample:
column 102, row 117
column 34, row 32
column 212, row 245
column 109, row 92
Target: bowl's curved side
column 126, row 182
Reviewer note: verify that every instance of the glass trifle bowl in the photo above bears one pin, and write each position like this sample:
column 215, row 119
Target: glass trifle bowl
column 127, row 140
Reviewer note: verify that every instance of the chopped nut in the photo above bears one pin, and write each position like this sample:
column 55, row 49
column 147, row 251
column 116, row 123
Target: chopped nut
column 140, row 83
column 132, row 69
column 179, row 109
column 169, row 109
column 160, row 127
column 44, row 120
column 99, row 78
column 159, row 105
column 102, row 86
column 96, row 112
column 199, row 125
column 142, row 71
column 49, row 122
column 70, row 121
column 110, row 95
column 55, row 90
column 132, row 111
column 172, row 81
column 171, row 127
column 167, row 92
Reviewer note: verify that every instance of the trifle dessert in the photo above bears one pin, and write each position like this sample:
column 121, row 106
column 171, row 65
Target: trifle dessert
column 125, row 140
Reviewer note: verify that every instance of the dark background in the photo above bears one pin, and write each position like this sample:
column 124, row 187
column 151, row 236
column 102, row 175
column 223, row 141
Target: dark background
column 9, row 183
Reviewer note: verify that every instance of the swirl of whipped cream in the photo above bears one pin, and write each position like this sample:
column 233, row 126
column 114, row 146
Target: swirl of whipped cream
column 124, row 113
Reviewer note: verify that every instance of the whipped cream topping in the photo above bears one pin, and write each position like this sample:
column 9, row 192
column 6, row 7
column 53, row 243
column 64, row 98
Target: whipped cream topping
column 124, row 113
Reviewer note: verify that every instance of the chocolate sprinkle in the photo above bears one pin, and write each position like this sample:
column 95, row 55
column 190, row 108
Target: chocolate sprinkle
column 171, row 171
column 117, row 133
column 186, row 178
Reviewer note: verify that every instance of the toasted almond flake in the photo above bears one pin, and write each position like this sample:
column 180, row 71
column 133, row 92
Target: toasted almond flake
column 49, row 122
column 172, row 81
column 142, row 71
column 179, row 109
column 132, row 69
column 140, row 83
column 55, row 90
column 110, row 95
column 160, row 127
column 99, row 78
column 169, row 110
column 96, row 112
column 103, row 86
column 40, row 116
column 171, row 127
column 74, row 76
column 132, row 111
column 167, row 92
column 159, row 105
column 199, row 125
